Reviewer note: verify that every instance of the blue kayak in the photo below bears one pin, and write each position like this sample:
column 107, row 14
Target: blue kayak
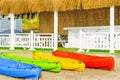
column 19, row 70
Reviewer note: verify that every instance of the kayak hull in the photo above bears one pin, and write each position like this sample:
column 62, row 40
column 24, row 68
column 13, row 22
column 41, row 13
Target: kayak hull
column 44, row 64
column 68, row 64
column 91, row 61
column 19, row 70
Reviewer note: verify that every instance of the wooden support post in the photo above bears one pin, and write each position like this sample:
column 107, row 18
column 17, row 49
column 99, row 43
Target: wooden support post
column 31, row 41
column 112, row 29
column 55, row 30
column 12, row 35
column 80, row 41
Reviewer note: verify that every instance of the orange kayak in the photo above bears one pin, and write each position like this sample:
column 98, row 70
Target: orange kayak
column 91, row 61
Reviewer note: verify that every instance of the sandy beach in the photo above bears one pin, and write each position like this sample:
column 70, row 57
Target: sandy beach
column 88, row 74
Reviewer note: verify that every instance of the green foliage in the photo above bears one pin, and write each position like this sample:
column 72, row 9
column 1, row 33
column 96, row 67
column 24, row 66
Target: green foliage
column 30, row 24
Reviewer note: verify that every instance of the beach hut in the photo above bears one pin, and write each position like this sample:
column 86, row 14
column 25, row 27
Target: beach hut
column 83, row 13
column 61, row 10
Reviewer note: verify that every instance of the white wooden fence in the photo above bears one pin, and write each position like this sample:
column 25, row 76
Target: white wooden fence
column 28, row 40
column 92, row 40
column 100, row 40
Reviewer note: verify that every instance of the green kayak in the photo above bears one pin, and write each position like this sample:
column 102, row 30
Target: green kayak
column 44, row 64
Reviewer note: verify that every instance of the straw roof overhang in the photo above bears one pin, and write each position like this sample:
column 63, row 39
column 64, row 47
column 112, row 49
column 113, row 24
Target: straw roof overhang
column 65, row 5
column 23, row 6
column 117, row 2
column 94, row 4
column 37, row 6
column 13, row 6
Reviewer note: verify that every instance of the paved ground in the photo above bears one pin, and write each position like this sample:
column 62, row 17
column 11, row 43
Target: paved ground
column 88, row 74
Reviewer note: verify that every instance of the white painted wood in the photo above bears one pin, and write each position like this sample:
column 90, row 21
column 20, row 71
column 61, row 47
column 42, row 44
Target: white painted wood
column 112, row 29
column 94, row 28
column 55, row 30
column 24, row 40
column 93, row 31
column 31, row 41
column 90, row 40
column 93, row 40
column 73, row 39
column 80, row 41
column 12, row 39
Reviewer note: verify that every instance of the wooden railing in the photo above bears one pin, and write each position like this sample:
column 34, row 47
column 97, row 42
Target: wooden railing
column 93, row 40
column 27, row 40
column 99, row 40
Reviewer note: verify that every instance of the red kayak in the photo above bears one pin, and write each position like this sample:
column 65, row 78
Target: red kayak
column 91, row 61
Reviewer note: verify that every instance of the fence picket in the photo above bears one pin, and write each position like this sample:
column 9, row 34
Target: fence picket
column 24, row 40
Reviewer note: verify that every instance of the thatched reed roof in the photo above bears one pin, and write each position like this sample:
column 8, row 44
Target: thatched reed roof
column 13, row 6
column 36, row 6
column 69, row 5
column 92, row 4
column 27, row 6
column 117, row 2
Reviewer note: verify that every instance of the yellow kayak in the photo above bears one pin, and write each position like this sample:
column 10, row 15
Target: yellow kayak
column 67, row 63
